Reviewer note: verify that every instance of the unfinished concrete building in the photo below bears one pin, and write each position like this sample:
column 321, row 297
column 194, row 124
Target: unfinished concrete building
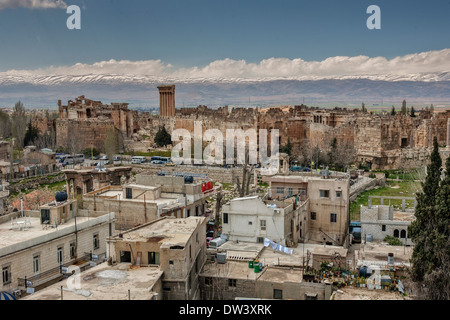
column 327, row 203
column 37, row 248
column 149, row 199
column 176, row 246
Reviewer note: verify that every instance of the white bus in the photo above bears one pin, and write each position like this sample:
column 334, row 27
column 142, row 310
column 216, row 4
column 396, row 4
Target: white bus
column 138, row 159
column 79, row 158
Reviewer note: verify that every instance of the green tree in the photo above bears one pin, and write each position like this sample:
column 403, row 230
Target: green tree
column 332, row 153
column 5, row 125
column 393, row 111
column 423, row 229
column 412, row 112
column 403, row 110
column 31, row 135
column 162, row 137
column 287, row 148
column 437, row 281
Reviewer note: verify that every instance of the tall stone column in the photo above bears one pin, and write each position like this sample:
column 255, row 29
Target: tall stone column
column 167, row 100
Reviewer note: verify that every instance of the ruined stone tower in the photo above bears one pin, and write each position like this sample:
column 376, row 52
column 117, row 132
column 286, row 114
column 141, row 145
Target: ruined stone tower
column 167, row 100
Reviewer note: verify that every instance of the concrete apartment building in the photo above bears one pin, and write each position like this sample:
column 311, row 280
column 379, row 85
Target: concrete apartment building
column 41, row 161
column 151, row 198
column 36, row 248
column 379, row 221
column 106, row 282
column 328, row 204
column 176, row 246
column 281, row 276
column 251, row 219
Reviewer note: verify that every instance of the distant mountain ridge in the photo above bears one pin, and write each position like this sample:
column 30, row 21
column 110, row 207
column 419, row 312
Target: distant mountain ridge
column 141, row 91
column 34, row 79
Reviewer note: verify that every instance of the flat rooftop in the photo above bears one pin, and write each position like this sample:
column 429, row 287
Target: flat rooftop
column 11, row 236
column 267, row 256
column 377, row 254
column 105, row 282
column 240, row 270
column 167, row 231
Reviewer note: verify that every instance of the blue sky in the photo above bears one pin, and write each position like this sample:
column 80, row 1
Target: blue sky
column 187, row 33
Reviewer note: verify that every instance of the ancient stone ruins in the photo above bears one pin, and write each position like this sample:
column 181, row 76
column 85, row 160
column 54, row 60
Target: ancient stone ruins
column 379, row 141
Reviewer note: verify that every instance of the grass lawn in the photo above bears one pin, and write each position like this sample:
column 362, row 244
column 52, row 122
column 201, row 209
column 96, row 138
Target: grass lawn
column 392, row 189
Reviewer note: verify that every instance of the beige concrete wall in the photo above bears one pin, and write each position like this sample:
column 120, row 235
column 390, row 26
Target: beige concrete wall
column 181, row 264
column 21, row 261
column 322, row 230
column 130, row 214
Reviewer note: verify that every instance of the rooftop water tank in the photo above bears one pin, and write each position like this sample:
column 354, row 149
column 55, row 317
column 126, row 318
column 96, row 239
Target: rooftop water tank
column 61, row 196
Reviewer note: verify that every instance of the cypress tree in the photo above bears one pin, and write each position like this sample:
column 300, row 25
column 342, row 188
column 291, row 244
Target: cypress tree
column 423, row 229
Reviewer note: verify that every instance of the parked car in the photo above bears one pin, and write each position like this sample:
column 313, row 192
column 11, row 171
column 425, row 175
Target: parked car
column 296, row 169
column 208, row 240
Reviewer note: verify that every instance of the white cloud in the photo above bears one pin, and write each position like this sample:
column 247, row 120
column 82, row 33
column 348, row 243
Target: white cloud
column 273, row 68
column 33, row 4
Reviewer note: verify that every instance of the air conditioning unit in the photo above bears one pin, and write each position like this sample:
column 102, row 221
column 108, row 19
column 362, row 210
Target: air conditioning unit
column 276, row 210
column 17, row 293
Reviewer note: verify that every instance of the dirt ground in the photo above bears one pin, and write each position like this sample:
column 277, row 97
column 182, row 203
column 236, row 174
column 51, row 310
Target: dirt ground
column 352, row 293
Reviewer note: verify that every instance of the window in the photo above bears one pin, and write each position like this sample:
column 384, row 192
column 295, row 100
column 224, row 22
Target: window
column 260, row 240
column 232, row 283
column 280, row 190
column 153, row 258
column 403, row 234
column 36, row 264
column 72, row 250
column 396, row 233
column 324, row 193
column 250, row 223
column 262, row 224
column 277, row 294
column 208, row 281
column 338, row 194
column 333, row 217
column 96, row 241
column 225, row 218
column 313, row 215
column 383, row 227
column 290, row 191
column 6, row 274
column 129, row 193
column 60, row 255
